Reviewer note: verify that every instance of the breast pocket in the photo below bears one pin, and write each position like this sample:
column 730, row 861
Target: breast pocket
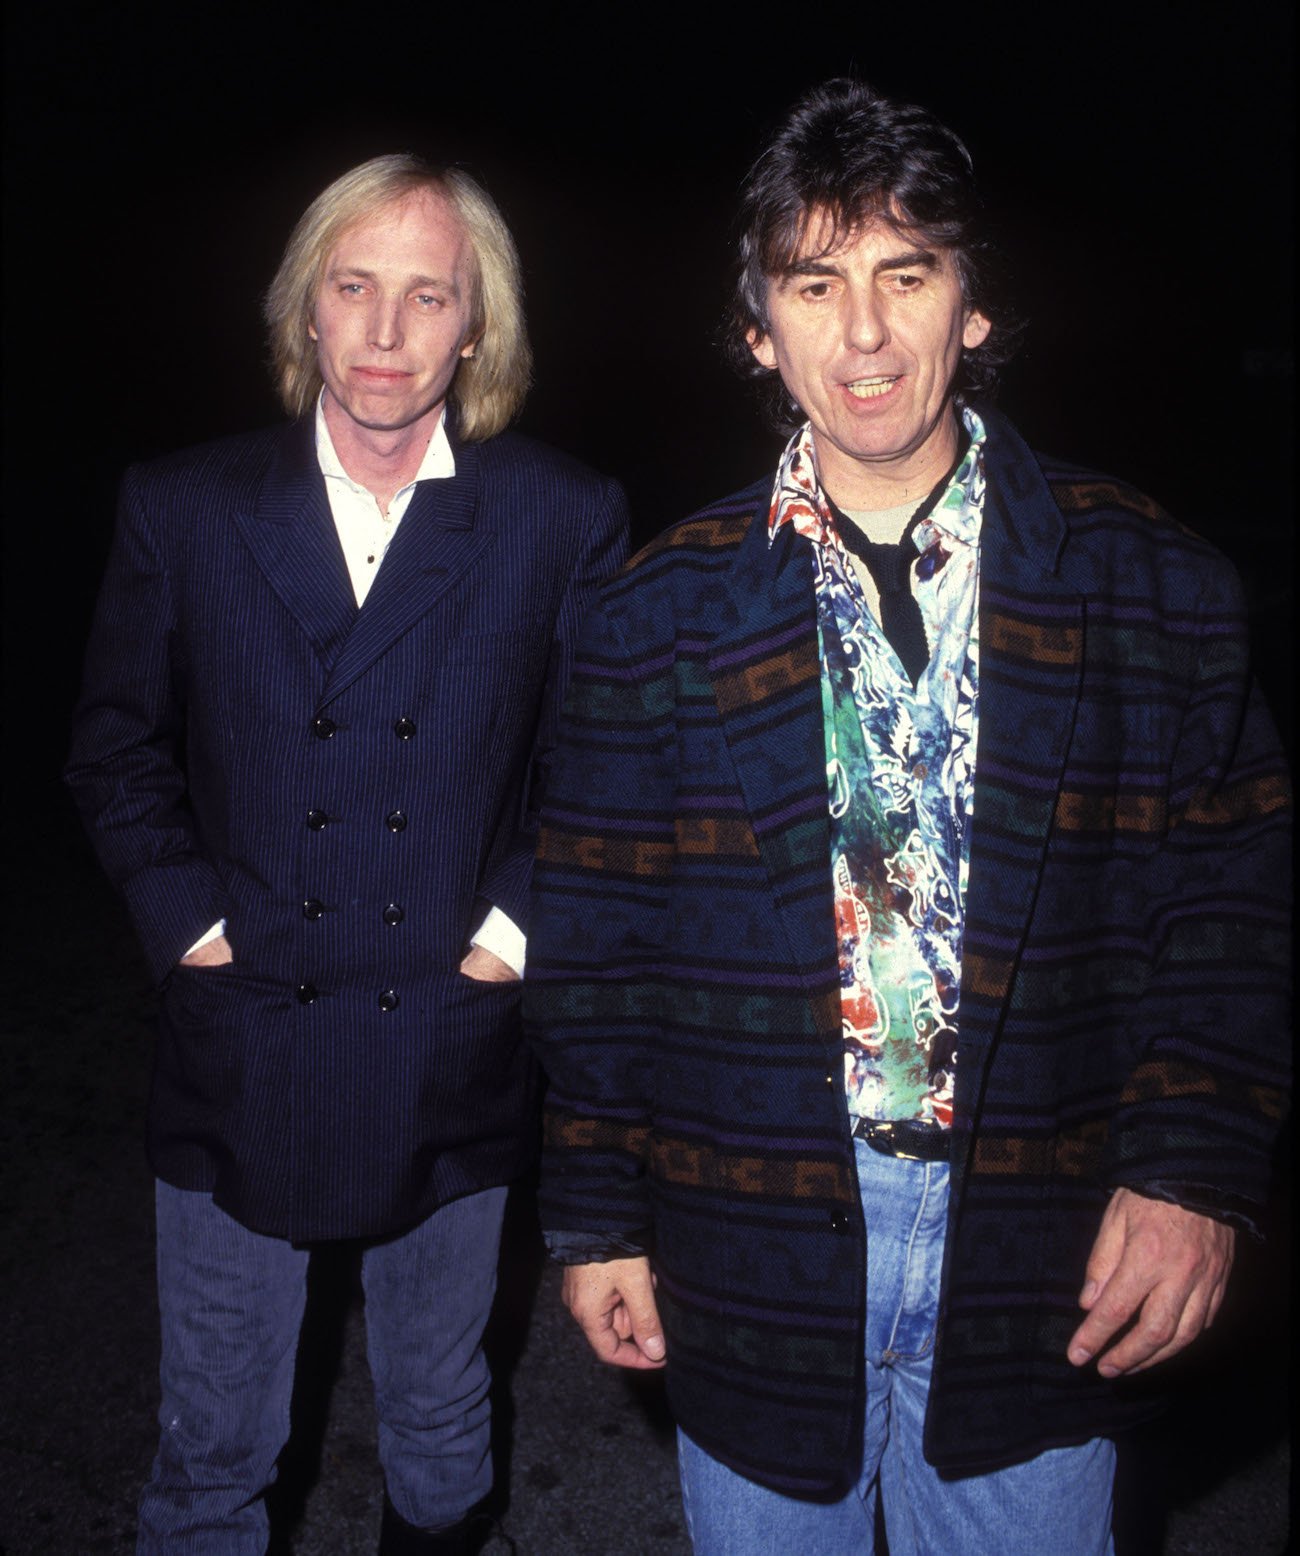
column 512, row 645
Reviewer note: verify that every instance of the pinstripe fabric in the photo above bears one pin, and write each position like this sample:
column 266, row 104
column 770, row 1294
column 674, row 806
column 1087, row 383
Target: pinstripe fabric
column 1121, row 1010
column 226, row 627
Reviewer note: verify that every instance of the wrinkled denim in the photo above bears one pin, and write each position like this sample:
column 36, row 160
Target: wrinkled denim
column 231, row 1304
column 1057, row 1504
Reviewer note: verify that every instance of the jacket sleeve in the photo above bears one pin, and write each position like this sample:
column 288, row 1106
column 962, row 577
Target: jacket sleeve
column 591, row 997
column 126, row 768
column 507, row 876
column 1197, row 1119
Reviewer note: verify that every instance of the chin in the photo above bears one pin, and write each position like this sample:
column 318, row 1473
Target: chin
column 385, row 420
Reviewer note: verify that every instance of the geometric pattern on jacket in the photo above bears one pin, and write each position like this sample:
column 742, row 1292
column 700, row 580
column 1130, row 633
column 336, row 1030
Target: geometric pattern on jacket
column 1122, row 1012
column 350, row 789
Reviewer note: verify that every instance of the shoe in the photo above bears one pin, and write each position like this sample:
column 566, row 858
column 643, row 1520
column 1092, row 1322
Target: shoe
column 398, row 1538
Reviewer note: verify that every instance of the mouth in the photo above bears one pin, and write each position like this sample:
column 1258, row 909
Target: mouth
column 381, row 375
column 872, row 388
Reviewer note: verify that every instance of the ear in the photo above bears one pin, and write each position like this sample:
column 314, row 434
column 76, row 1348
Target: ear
column 469, row 348
column 311, row 330
column 761, row 346
column 976, row 330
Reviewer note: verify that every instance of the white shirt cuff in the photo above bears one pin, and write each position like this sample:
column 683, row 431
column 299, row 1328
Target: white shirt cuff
column 217, row 930
column 500, row 934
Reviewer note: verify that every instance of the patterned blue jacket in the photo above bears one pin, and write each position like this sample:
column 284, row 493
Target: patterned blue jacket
column 1121, row 1017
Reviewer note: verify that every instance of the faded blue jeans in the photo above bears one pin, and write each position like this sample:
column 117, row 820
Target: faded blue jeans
column 1058, row 1504
column 231, row 1304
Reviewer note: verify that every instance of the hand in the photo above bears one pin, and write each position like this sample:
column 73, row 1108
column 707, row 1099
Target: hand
column 615, row 1305
column 1161, row 1266
column 487, row 967
column 215, row 953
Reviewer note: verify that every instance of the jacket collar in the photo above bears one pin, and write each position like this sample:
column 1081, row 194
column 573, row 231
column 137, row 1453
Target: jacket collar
column 290, row 530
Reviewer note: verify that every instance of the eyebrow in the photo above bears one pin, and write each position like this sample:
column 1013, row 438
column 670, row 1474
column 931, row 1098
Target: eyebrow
column 911, row 259
column 436, row 283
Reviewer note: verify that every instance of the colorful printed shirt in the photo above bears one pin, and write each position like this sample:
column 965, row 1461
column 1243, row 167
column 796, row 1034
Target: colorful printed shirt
column 900, row 771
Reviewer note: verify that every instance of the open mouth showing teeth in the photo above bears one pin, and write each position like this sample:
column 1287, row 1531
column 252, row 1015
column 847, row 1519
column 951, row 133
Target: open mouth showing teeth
column 869, row 388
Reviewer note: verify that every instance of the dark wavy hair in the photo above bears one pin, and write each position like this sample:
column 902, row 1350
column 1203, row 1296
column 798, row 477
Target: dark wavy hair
column 848, row 153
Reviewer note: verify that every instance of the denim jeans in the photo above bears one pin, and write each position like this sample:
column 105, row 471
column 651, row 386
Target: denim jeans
column 231, row 1304
column 1058, row 1504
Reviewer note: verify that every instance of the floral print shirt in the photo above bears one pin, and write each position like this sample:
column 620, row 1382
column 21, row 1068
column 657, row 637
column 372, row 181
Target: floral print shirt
column 900, row 772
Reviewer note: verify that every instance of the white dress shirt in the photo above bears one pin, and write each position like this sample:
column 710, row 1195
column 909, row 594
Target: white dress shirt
column 365, row 532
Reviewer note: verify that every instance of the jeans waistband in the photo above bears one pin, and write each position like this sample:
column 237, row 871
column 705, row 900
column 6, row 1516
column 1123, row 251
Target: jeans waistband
column 904, row 1137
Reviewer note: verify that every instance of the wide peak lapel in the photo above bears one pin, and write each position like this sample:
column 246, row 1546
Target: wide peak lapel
column 440, row 538
column 1031, row 661
column 290, row 531
column 767, row 685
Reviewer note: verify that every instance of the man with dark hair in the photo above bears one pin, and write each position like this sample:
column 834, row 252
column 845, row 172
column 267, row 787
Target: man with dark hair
column 320, row 694
column 909, row 925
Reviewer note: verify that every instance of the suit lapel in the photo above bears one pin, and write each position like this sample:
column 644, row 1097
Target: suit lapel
column 439, row 539
column 767, row 685
column 1031, row 661
column 290, row 531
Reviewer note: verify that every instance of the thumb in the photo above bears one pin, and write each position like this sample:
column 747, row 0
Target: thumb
column 647, row 1331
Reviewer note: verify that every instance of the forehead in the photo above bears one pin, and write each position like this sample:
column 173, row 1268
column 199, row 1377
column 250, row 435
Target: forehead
column 871, row 239
column 419, row 230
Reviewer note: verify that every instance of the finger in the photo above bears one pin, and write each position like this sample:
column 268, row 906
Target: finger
column 1166, row 1325
column 1107, row 1251
column 1147, row 1348
column 1112, row 1308
column 602, row 1339
column 635, row 1285
column 1216, row 1300
column 615, row 1351
column 614, row 1305
column 643, row 1328
column 1174, row 1315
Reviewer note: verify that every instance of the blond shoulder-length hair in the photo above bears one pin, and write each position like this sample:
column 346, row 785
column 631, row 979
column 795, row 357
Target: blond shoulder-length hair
column 490, row 386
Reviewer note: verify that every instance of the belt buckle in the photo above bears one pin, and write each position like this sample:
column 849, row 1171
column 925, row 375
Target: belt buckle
column 887, row 1130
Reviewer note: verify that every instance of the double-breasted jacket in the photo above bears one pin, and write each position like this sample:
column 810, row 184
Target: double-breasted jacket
column 351, row 790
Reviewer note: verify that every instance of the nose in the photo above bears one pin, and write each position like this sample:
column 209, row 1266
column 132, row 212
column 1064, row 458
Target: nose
column 865, row 328
column 386, row 324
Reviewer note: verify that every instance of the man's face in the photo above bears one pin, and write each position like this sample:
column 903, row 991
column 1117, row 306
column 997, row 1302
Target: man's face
column 867, row 339
column 392, row 315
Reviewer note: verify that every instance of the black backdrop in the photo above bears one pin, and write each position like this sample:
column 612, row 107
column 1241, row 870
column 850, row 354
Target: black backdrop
column 1139, row 155
column 157, row 156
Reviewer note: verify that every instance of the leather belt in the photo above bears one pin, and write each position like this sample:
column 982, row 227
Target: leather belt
column 904, row 1138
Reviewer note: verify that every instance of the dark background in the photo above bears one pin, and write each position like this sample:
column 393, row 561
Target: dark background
column 1138, row 157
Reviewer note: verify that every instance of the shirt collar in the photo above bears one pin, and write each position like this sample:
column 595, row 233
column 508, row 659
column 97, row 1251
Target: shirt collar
column 798, row 498
column 438, row 463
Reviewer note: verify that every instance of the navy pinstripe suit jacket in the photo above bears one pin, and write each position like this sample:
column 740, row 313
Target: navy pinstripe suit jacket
column 351, row 790
column 1122, row 1015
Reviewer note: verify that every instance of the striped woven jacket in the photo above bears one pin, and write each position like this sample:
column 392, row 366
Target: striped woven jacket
column 1121, row 1018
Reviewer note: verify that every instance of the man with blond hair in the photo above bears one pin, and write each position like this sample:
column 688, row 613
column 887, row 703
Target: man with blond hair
column 320, row 693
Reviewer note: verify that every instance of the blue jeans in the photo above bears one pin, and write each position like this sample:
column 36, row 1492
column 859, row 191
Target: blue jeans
column 231, row 1304
column 1058, row 1504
